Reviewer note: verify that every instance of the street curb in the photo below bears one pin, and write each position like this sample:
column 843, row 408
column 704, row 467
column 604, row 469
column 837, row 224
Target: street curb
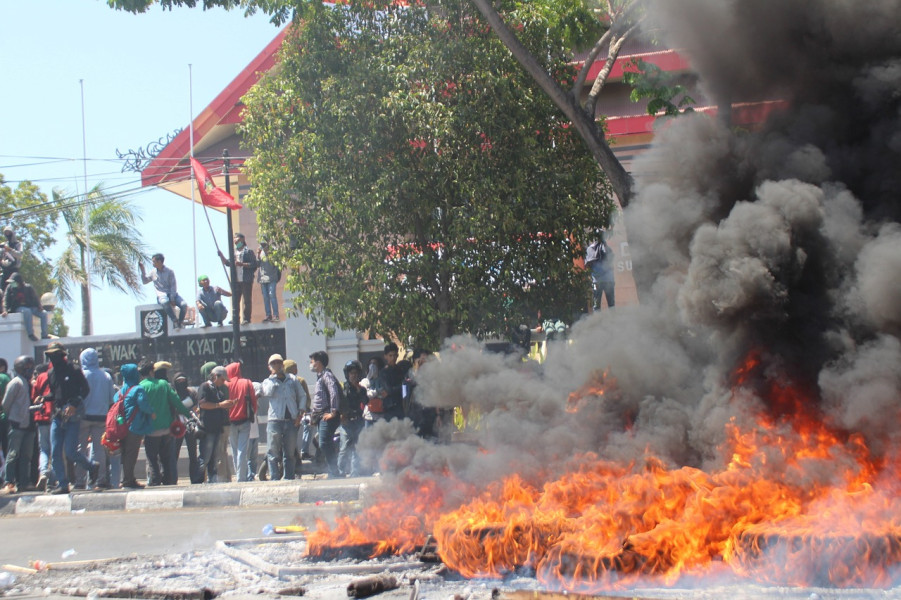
column 196, row 496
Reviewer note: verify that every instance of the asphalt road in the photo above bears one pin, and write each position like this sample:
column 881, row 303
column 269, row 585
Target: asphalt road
column 97, row 535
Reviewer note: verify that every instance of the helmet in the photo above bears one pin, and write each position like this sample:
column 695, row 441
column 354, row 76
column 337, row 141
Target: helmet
column 24, row 365
column 177, row 429
column 350, row 365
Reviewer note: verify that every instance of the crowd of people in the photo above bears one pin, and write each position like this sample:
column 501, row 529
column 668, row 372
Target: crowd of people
column 58, row 427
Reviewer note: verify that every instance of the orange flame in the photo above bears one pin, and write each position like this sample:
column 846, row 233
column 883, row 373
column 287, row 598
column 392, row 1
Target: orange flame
column 795, row 503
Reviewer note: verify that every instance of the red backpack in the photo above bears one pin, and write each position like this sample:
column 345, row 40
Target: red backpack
column 116, row 425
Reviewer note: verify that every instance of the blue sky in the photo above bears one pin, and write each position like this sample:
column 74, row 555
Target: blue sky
column 137, row 89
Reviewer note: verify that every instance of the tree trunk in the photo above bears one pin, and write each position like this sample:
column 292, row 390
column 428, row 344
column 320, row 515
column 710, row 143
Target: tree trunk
column 86, row 324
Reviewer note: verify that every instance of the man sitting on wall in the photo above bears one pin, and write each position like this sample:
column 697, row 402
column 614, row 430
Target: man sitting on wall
column 20, row 297
column 163, row 279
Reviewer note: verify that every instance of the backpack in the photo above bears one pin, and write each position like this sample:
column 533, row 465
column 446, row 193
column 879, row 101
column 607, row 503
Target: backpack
column 116, row 426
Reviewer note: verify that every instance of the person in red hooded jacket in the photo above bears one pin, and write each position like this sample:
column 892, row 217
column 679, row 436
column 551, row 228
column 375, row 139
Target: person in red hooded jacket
column 241, row 416
column 40, row 395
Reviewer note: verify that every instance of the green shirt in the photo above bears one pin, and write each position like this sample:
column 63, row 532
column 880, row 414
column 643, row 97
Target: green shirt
column 164, row 401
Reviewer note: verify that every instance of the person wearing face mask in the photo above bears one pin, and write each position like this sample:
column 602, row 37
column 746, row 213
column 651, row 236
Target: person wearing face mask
column 242, row 288
column 68, row 389
column 190, row 397
column 10, row 255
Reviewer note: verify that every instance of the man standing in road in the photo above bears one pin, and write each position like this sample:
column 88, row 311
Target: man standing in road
column 285, row 412
column 245, row 265
column 96, row 405
column 241, row 416
column 214, row 408
column 354, row 400
column 16, row 401
column 68, row 389
column 326, row 409
column 139, row 416
column 159, row 445
column 163, row 279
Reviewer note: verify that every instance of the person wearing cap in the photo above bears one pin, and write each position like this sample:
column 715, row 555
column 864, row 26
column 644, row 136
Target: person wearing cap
column 209, row 302
column 159, row 444
column 326, row 409
column 10, row 255
column 68, row 389
column 214, row 409
column 163, row 279
column 96, row 405
column 20, row 297
column 245, row 265
column 286, row 402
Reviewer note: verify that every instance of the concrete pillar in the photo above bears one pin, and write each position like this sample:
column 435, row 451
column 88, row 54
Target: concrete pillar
column 14, row 340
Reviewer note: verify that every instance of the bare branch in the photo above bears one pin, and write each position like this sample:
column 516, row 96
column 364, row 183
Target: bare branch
column 589, row 60
column 584, row 123
column 615, row 47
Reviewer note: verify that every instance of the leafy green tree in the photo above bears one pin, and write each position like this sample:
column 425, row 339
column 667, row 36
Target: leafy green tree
column 28, row 211
column 57, row 325
column 602, row 26
column 412, row 176
column 115, row 248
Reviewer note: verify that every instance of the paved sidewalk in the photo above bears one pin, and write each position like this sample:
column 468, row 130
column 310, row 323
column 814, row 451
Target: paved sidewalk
column 308, row 490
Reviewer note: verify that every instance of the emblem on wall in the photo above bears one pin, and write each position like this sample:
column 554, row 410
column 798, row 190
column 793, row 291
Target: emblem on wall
column 153, row 323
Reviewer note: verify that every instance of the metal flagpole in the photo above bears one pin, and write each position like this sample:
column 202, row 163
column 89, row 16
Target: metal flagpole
column 193, row 185
column 233, row 269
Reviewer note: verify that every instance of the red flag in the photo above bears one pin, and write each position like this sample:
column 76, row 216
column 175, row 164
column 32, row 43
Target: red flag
column 211, row 195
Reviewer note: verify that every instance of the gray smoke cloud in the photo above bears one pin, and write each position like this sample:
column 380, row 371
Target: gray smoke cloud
column 783, row 240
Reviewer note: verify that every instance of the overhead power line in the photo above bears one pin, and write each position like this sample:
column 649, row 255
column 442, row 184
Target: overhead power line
column 85, row 198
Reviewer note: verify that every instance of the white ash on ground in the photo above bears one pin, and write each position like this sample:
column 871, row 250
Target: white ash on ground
column 216, row 574
column 275, row 567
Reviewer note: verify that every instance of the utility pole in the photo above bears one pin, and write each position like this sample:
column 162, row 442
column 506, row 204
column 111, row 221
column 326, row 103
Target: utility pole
column 233, row 269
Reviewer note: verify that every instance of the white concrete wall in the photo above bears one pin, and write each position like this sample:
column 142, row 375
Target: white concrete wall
column 14, row 341
column 301, row 340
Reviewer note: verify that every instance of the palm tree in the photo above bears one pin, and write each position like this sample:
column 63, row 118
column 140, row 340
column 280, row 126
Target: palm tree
column 115, row 248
